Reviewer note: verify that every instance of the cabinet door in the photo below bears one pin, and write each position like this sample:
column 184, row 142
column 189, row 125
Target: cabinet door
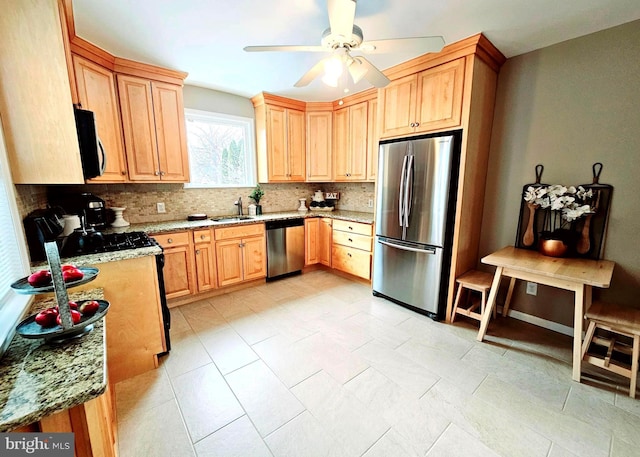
column 319, row 128
column 97, row 93
column 373, row 140
column 205, row 259
column 341, row 144
column 35, row 101
column 296, row 145
column 178, row 272
column 254, row 256
column 277, row 137
column 357, row 153
column 311, row 234
column 398, row 105
column 324, row 241
column 141, row 145
column 352, row 261
column 440, row 96
column 168, row 113
column 229, row 262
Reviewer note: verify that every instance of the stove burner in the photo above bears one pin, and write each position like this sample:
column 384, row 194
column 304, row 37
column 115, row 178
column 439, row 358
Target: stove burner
column 122, row 241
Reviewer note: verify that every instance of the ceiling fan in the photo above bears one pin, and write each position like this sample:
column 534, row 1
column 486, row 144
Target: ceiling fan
column 343, row 37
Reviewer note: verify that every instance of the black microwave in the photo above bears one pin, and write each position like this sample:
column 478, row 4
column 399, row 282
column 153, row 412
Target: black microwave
column 92, row 153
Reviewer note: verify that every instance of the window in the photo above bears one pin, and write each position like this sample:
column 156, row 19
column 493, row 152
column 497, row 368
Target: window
column 221, row 150
column 13, row 255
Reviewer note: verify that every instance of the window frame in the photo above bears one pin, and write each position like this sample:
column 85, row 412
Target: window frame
column 248, row 125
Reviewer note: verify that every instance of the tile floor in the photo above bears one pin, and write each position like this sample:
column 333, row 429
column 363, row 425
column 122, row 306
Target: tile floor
column 314, row 365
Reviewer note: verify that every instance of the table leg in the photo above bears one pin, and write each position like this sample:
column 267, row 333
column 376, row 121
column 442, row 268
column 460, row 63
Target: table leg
column 491, row 303
column 507, row 301
column 578, row 321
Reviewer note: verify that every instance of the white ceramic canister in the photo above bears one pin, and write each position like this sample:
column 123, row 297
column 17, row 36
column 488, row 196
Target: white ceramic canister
column 252, row 209
column 71, row 222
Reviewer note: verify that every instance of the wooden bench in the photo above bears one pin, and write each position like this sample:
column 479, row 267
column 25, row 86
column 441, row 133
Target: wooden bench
column 622, row 325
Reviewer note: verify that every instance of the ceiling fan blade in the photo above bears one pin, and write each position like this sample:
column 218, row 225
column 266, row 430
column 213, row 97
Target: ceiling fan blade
column 420, row 44
column 312, row 74
column 341, row 16
column 288, row 48
column 373, row 75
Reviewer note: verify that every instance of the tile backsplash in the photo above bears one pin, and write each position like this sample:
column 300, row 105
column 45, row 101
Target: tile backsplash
column 141, row 199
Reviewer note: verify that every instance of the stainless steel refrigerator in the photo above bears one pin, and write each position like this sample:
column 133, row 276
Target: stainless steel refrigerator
column 415, row 209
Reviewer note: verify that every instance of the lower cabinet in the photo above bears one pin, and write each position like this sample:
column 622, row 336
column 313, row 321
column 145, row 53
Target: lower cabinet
column 93, row 425
column 179, row 265
column 351, row 248
column 205, row 259
column 317, row 241
column 241, row 253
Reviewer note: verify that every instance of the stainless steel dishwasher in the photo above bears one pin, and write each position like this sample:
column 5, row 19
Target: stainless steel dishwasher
column 285, row 247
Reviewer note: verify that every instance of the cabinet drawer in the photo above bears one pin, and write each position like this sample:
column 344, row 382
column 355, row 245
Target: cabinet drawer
column 202, row 236
column 239, row 231
column 352, row 261
column 352, row 227
column 352, row 240
column 169, row 240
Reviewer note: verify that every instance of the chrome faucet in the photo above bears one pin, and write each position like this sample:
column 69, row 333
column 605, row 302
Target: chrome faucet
column 238, row 203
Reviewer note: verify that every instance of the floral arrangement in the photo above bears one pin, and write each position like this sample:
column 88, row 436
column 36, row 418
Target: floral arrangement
column 566, row 204
column 257, row 194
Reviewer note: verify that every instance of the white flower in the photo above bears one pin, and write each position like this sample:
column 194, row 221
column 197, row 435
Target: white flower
column 573, row 213
column 530, row 194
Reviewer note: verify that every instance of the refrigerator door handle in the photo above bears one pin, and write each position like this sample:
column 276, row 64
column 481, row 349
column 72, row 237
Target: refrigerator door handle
column 403, row 176
column 408, row 248
column 408, row 192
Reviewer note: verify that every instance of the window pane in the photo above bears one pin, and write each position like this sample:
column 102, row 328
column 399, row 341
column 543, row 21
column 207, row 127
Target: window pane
column 221, row 151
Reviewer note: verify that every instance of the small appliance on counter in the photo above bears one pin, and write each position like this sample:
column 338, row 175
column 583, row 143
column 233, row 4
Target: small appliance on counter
column 95, row 211
column 40, row 226
column 119, row 218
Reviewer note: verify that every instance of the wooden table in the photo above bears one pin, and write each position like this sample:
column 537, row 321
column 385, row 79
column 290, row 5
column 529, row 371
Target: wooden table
column 577, row 275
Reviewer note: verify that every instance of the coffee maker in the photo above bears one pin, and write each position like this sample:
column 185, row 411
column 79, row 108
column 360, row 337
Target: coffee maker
column 94, row 209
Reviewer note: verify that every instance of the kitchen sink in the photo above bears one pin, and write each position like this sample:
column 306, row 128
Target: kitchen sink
column 231, row 218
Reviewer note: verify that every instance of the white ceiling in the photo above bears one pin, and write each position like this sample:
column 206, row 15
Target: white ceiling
column 205, row 37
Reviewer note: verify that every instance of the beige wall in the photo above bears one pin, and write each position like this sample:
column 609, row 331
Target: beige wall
column 568, row 106
column 217, row 102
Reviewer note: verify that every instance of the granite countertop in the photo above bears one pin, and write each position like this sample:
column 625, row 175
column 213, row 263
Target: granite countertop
column 183, row 224
column 172, row 226
column 38, row 379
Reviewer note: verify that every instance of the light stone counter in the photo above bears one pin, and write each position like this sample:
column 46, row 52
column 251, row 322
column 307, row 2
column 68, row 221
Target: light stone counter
column 37, row 379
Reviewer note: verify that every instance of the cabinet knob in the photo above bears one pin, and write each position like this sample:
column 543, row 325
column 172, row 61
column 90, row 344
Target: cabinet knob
column 202, row 237
column 349, row 254
column 197, row 251
column 350, row 240
column 169, row 240
column 413, row 124
column 350, row 228
column 162, row 173
column 157, row 173
column 417, row 124
column 123, row 173
column 241, row 245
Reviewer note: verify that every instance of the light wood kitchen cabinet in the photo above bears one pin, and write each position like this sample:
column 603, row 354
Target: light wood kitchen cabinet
column 350, row 143
column 422, row 102
column 351, row 248
column 319, row 139
column 318, row 236
column 281, row 138
column 241, row 253
column 154, row 129
column 179, row 279
column 205, row 259
column 96, row 88
column 35, row 100
column 373, row 140
column 324, row 241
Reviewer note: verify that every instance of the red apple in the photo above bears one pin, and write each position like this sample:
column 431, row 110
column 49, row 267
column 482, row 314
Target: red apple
column 75, row 317
column 89, row 308
column 40, row 278
column 72, row 274
column 46, row 318
column 73, row 305
column 68, row 267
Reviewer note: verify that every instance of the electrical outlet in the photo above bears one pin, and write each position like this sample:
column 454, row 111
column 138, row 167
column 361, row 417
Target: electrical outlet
column 160, row 207
column 532, row 288
column 370, row 205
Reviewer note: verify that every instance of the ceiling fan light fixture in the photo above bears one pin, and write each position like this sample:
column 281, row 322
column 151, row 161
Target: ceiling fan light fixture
column 357, row 70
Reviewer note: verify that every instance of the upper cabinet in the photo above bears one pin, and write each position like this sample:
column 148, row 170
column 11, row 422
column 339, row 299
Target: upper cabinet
column 350, row 143
column 425, row 101
column 280, row 138
column 35, row 101
column 154, row 130
column 96, row 88
column 319, row 138
column 373, row 140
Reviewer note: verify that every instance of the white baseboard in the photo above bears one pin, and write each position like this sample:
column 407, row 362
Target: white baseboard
column 554, row 326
